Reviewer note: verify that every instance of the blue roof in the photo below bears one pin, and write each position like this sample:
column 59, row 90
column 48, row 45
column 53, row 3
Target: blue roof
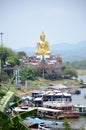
column 37, row 120
column 41, row 121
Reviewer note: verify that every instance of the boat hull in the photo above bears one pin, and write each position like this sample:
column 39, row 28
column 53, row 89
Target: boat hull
column 82, row 113
column 71, row 115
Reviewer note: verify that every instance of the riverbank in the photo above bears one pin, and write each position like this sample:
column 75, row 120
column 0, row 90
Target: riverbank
column 40, row 83
column 81, row 72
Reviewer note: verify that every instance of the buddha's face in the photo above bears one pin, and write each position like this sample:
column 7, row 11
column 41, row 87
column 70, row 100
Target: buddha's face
column 42, row 36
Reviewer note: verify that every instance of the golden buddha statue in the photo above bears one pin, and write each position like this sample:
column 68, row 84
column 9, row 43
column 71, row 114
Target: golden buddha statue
column 42, row 46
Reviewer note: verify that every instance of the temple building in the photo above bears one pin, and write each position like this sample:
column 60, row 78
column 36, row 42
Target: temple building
column 45, row 61
column 49, row 66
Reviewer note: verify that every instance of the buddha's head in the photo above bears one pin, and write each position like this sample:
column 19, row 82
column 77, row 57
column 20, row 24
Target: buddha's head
column 42, row 36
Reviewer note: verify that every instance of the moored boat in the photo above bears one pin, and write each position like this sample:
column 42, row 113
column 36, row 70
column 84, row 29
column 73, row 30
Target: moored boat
column 81, row 109
column 67, row 107
column 50, row 113
column 42, row 124
column 85, row 96
column 57, row 96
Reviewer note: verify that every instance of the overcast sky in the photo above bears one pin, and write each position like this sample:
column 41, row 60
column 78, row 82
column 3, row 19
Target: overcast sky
column 22, row 21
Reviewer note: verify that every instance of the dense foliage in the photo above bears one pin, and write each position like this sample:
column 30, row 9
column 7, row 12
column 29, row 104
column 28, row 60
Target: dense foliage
column 28, row 73
column 21, row 54
column 7, row 57
column 5, row 52
column 9, row 121
column 77, row 64
column 13, row 60
column 69, row 72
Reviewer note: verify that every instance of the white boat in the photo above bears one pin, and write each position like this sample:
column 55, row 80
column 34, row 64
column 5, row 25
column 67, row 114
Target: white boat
column 22, row 109
column 52, row 126
column 50, row 113
column 81, row 109
column 85, row 96
column 57, row 96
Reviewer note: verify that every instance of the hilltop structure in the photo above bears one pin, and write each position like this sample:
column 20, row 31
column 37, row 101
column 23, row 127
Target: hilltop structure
column 48, row 66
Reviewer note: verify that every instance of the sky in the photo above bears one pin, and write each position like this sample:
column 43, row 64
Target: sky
column 22, row 21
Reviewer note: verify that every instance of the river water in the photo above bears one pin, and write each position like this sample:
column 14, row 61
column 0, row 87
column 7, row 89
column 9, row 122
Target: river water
column 79, row 99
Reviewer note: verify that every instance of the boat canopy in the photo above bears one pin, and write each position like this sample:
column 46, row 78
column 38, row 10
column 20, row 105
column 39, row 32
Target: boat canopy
column 48, row 109
column 58, row 86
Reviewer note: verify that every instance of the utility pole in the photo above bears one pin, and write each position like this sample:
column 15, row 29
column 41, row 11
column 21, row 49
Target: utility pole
column 1, row 33
column 17, row 78
column 0, row 57
column 0, row 71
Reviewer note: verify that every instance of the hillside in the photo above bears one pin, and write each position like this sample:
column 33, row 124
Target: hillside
column 69, row 52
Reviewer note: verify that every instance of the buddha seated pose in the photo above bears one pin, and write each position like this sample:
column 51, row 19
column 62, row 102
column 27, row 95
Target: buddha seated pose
column 42, row 46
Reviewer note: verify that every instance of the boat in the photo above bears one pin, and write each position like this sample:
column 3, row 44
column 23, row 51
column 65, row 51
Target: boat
column 85, row 96
column 77, row 91
column 42, row 124
column 50, row 113
column 22, row 109
column 81, row 109
column 83, row 86
column 38, row 102
column 56, row 96
column 73, row 91
column 52, row 94
column 52, row 126
column 67, row 107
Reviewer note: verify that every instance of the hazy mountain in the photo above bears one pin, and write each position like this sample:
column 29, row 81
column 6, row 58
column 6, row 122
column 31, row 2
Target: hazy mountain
column 69, row 52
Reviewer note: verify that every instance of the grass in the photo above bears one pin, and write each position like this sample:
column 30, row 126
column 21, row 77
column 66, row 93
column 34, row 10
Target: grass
column 81, row 72
column 41, row 83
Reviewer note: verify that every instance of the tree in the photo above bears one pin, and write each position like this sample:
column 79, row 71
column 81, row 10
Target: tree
column 28, row 73
column 77, row 64
column 69, row 72
column 7, row 55
column 21, row 54
column 13, row 60
column 4, row 77
column 5, row 52
column 10, row 122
